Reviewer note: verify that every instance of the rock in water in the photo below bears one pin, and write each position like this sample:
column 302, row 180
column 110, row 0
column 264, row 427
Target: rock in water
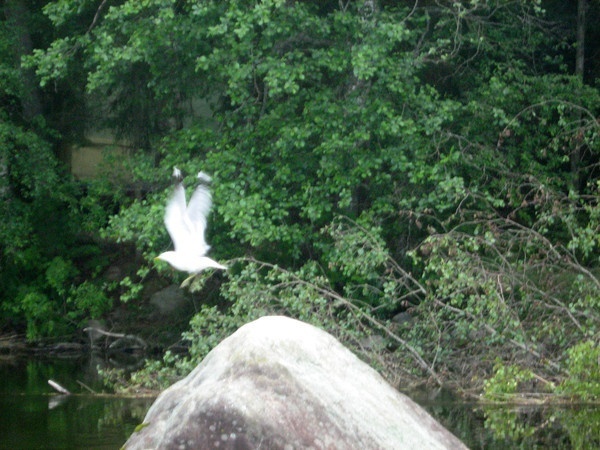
column 278, row 383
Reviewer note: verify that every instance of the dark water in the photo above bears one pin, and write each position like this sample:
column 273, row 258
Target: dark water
column 33, row 416
column 496, row 427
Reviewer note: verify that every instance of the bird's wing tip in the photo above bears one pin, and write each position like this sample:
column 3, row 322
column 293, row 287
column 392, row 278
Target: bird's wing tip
column 177, row 175
column 204, row 177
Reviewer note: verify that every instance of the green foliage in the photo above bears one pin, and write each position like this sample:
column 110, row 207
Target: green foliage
column 139, row 224
column 88, row 301
column 59, row 273
column 583, row 365
column 508, row 425
column 498, row 289
column 131, row 289
column 518, row 427
column 39, row 232
column 358, row 252
column 40, row 314
column 125, row 55
column 506, row 381
column 459, row 199
column 155, row 375
column 583, row 426
column 256, row 289
column 436, row 161
column 54, row 305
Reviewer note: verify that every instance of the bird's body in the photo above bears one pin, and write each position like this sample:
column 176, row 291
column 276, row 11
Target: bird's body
column 186, row 262
column 186, row 225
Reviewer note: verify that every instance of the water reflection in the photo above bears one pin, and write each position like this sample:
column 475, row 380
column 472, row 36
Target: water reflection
column 32, row 416
column 496, row 427
column 575, row 427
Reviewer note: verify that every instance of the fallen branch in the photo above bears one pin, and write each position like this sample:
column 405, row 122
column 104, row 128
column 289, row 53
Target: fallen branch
column 119, row 336
column 80, row 383
column 58, row 387
column 104, row 333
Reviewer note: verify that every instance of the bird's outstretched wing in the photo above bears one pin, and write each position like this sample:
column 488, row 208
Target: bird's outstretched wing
column 197, row 213
column 186, row 224
column 176, row 219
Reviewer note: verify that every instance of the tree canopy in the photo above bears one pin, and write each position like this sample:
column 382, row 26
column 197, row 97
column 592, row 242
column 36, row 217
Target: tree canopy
column 422, row 171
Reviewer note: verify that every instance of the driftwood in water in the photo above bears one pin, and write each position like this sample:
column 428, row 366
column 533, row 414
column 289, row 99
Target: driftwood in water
column 80, row 383
column 58, row 387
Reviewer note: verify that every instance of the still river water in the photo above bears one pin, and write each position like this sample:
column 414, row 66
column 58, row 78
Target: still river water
column 32, row 416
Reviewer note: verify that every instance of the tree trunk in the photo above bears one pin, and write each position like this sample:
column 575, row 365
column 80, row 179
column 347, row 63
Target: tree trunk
column 16, row 14
column 579, row 69
column 580, row 55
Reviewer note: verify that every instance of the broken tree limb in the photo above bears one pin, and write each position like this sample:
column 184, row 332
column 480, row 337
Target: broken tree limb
column 118, row 336
column 58, row 387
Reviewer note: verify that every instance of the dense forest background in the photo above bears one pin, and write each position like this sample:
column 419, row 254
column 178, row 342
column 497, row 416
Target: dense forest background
column 419, row 178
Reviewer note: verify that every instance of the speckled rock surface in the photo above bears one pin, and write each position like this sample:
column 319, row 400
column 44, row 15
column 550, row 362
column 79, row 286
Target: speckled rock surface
column 278, row 383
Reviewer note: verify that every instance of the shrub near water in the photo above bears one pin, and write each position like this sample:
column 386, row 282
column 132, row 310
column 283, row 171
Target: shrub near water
column 583, row 366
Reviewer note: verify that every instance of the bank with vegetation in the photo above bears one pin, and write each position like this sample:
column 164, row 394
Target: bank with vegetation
column 418, row 178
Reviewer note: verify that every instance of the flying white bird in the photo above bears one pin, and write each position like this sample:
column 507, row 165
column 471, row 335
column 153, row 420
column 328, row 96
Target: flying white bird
column 186, row 226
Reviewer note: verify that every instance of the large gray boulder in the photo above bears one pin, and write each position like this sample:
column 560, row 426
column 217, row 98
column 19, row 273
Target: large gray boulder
column 278, row 383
